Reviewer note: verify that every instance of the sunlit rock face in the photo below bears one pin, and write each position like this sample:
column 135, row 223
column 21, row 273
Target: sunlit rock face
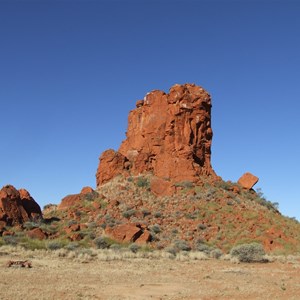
column 168, row 135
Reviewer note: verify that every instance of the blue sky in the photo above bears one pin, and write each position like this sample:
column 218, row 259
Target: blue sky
column 70, row 71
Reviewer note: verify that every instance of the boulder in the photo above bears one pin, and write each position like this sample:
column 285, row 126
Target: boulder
column 32, row 208
column 168, row 135
column 37, row 233
column 124, row 232
column 248, row 180
column 144, row 238
column 161, row 187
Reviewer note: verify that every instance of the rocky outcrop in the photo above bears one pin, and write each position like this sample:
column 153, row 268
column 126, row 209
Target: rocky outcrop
column 71, row 200
column 168, row 135
column 17, row 207
column 248, row 180
column 32, row 208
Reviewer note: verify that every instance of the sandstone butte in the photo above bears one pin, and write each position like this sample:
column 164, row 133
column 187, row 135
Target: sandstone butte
column 17, row 207
column 168, row 135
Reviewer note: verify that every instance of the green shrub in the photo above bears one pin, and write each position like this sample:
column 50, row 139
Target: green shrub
column 30, row 225
column 146, row 212
column 134, row 248
column 253, row 252
column 155, row 228
column 202, row 247
column 54, row 245
column 50, row 205
column 143, row 182
column 216, row 253
column 103, row 242
column 225, row 185
column 182, row 245
column 157, row 214
column 10, row 240
column 72, row 246
column 185, row 184
column 201, row 226
column 129, row 213
column 32, row 244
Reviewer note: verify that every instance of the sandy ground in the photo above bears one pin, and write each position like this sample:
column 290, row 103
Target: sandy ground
column 54, row 277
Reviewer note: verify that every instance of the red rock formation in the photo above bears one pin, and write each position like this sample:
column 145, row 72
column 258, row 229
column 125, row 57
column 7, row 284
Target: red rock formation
column 129, row 233
column 248, row 180
column 17, row 207
column 32, row 208
column 168, row 135
column 37, row 233
column 71, row 200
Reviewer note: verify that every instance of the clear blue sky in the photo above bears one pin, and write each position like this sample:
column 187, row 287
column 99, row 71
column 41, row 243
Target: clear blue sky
column 70, row 71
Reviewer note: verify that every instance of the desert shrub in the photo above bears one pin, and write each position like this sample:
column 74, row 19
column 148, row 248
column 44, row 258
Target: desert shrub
column 134, row 248
column 157, row 214
column 103, row 242
column 143, row 182
column 54, row 245
column 182, row 245
column 30, row 225
column 253, row 252
column 146, row 212
column 91, row 235
column 115, row 247
column 201, row 226
column 10, row 240
column 72, row 222
column 224, row 185
column 171, row 250
column 49, row 206
column 32, row 244
column 48, row 228
column 174, row 231
column 216, row 253
column 202, row 247
column 89, row 196
column 129, row 213
column 72, row 246
column 185, row 184
column 155, row 228
column 103, row 225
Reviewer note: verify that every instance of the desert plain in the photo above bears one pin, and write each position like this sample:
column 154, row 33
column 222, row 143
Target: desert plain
column 108, row 275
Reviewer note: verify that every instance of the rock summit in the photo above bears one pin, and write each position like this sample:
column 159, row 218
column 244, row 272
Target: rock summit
column 168, row 135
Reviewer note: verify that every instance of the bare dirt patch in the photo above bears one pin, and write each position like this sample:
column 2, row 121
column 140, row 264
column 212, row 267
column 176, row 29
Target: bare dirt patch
column 53, row 277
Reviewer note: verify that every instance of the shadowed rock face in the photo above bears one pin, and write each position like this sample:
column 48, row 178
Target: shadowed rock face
column 168, row 135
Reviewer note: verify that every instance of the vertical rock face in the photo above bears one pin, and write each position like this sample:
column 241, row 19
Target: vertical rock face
column 169, row 135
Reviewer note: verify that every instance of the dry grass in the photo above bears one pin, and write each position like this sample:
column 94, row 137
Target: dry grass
column 108, row 274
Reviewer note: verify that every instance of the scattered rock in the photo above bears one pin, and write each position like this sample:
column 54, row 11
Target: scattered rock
column 19, row 263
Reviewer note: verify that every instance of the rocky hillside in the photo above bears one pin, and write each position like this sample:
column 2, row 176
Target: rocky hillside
column 158, row 191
